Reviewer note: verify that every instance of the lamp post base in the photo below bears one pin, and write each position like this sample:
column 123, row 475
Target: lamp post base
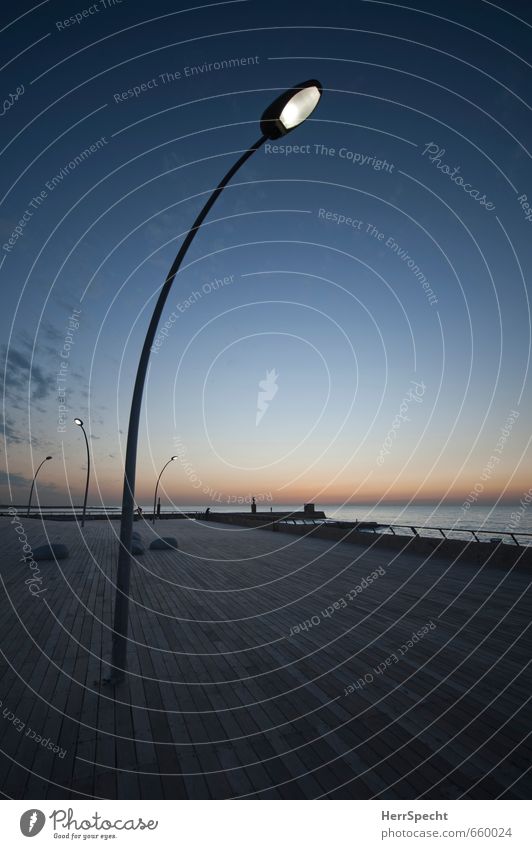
column 111, row 677
column 111, row 681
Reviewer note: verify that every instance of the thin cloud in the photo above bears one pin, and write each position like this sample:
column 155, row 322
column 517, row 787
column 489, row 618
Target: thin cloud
column 20, row 369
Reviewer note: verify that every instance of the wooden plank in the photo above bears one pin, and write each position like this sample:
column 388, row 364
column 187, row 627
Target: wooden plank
column 223, row 702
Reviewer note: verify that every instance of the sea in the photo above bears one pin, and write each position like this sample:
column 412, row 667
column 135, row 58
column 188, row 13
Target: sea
column 509, row 517
column 513, row 518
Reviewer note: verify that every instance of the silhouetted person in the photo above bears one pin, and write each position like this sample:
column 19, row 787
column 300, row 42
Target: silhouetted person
column 207, row 512
column 253, row 506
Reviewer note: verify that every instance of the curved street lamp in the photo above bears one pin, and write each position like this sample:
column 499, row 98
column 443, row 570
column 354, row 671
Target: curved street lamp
column 286, row 113
column 157, row 484
column 33, row 484
column 79, row 423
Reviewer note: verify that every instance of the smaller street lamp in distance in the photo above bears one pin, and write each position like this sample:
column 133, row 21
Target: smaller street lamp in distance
column 157, row 485
column 33, row 483
column 79, row 423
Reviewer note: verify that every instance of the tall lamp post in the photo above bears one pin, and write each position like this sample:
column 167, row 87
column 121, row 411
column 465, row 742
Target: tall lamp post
column 79, row 423
column 285, row 113
column 33, row 484
column 157, row 485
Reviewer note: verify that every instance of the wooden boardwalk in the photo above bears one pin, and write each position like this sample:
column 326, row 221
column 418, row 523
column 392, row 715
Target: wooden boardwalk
column 224, row 698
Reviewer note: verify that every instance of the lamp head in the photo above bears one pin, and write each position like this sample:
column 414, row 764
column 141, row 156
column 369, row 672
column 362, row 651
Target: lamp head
column 79, row 422
column 290, row 109
column 48, row 458
column 175, row 457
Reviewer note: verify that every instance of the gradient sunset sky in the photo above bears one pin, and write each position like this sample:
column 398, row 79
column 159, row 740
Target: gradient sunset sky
column 383, row 391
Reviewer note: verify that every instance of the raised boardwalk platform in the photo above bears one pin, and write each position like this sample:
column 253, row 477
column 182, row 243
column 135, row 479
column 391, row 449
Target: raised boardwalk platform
column 229, row 696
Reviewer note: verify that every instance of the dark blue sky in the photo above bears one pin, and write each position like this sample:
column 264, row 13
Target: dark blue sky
column 420, row 141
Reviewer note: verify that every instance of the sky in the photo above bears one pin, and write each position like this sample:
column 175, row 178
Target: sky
column 352, row 322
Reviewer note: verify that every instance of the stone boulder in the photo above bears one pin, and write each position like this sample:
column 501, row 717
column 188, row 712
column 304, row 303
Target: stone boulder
column 164, row 544
column 52, row 551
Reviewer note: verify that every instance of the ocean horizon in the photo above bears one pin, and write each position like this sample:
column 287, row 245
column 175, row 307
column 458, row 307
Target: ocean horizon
column 513, row 517
column 509, row 516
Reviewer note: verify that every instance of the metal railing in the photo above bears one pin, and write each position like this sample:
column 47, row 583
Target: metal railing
column 98, row 513
column 477, row 534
